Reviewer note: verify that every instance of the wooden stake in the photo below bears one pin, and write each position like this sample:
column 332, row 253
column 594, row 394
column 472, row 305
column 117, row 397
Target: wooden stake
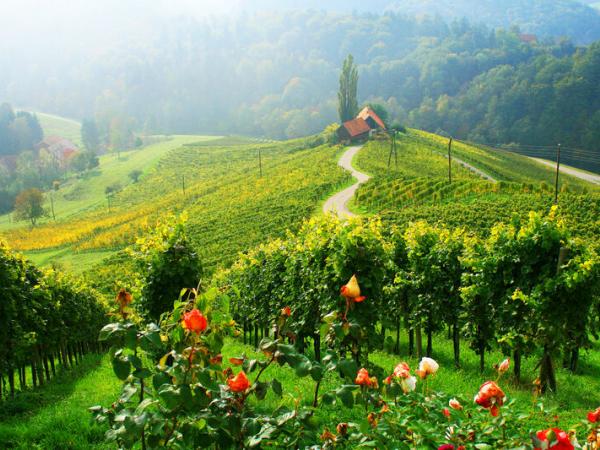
column 557, row 173
column 450, row 161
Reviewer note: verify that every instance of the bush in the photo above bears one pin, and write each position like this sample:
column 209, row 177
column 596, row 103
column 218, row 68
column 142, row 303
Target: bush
column 168, row 263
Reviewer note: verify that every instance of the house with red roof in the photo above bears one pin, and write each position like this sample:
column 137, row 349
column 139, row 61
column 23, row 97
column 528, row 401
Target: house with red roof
column 366, row 122
column 59, row 148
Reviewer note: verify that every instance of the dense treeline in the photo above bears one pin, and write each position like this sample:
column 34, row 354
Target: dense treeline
column 46, row 319
column 276, row 74
column 547, row 100
column 526, row 289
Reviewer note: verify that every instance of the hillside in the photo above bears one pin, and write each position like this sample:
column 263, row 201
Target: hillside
column 230, row 207
column 417, row 191
column 54, row 125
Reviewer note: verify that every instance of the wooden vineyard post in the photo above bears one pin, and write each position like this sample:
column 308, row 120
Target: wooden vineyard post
column 557, row 174
column 183, row 184
column 52, row 206
column 260, row 161
column 450, row 161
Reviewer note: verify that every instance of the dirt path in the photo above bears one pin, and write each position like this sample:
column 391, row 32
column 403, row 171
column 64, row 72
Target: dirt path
column 595, row 179
column 337, row 202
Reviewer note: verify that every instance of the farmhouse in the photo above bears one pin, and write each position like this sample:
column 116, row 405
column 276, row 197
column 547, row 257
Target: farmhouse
column 366, row 122
column 61, row 149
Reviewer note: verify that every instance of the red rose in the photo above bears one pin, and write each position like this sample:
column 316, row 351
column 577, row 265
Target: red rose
column 239, row 383
column 362, row 378
column 556, row 439
column 195, row 321
column 446, row 412
column 446, row 447
column 594, row 416
column 402, row 370
column 286, row 311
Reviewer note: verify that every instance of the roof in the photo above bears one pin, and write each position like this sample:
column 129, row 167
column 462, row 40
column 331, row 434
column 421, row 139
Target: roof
column 356, row 127
column 368, row 112
column 58, row 146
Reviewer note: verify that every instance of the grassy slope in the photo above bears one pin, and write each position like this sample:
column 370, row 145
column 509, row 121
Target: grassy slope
column 230, row 208
column 57, row 417
column 81, row 195
column 418, row 188
column 60, row 126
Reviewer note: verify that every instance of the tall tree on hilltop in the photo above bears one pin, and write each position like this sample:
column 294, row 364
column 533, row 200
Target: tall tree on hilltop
column 347, row 98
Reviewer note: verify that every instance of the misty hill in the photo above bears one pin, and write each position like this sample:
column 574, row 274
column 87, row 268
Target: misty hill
column 546, row 18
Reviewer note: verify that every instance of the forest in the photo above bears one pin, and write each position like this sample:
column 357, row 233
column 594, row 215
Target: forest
column 273, row 74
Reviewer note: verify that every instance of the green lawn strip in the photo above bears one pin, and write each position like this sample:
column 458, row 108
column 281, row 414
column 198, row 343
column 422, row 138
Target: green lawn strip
column 56, row 416
column 575, row 396
column 68, row 260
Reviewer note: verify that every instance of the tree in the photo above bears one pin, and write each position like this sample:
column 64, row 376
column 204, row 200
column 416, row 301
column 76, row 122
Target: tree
column 347, row 95
column 90, row 136
column 135, row 175
column 29, row 205
column 84, row 161
column 381, row 111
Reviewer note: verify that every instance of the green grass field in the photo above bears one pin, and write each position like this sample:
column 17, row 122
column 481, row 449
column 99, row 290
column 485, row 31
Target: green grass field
column 56, row 415
column 60, row 126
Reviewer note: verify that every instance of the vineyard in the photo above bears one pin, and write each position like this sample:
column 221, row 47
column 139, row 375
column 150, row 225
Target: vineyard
column 230, row 206
column 47, row 323
column 262, row 349
column 285, row 301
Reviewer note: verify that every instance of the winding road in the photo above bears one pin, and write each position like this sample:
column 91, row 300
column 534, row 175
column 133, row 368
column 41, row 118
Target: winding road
column 337, row 202
column 571, row 171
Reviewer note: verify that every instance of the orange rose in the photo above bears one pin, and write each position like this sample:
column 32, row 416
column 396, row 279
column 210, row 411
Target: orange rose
column 362, row 378
column 454, row 404
column 195, row 321
column 124, row 299
column 503, row 366
column 239, row 383
column 351, row 291
column 286, row 311
column 490, row 396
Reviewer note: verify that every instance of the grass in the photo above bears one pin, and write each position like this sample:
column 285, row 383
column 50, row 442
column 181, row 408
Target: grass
column 60, row 126
column 56, row 416
column 575, row 396
column 67, row 260
column 80, row 194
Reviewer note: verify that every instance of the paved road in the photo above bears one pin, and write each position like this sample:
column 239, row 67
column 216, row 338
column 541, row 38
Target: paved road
column 337, row 202
column 473, row 169
column 571, row 171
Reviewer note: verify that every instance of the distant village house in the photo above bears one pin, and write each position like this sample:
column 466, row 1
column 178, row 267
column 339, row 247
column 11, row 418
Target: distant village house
column 59, row 148
column 362, row 127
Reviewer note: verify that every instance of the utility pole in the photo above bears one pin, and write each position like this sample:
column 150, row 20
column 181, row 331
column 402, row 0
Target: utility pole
column 450, row 161
column 183, row 184
column 260, row 161
column 557, row 173
column 108, row 199
column 52, row 206
column 393, row 149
